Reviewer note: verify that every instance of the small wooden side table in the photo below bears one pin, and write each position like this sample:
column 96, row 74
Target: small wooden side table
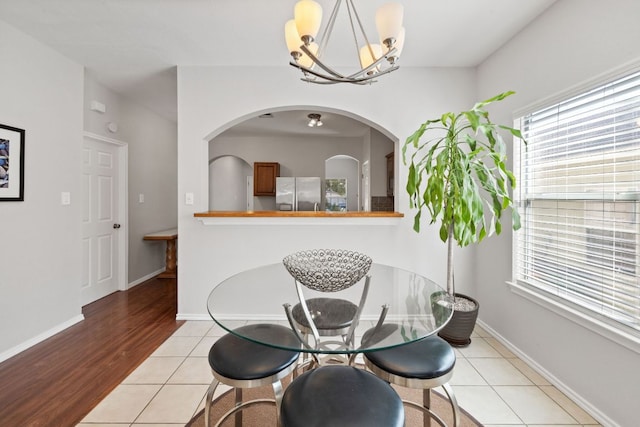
column 170, row 236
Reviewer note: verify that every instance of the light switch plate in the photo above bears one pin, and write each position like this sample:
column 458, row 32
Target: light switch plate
column 65, row 198
column 188, row 198
column 140, row 198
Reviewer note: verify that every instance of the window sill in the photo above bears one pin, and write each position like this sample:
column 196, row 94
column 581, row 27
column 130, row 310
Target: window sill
column 619, row 334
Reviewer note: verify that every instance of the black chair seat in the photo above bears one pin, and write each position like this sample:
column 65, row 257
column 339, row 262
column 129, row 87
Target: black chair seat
column 327, row 313
column 340, row 396
column 241, row 359
column 431, row 357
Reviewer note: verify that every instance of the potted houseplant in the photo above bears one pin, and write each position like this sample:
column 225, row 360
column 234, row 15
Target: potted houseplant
column 460, row 178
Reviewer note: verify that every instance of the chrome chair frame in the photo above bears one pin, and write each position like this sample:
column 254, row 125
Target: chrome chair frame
column 239, row 384
column 347, row 333
column 426, row 385
column 327, row 271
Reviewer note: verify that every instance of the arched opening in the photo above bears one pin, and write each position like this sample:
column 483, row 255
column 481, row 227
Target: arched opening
column 283, row 136
column 228, row 184
column 342, row 183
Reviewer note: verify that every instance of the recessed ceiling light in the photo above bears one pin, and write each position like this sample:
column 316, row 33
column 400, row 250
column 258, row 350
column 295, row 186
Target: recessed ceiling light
column 314, row 120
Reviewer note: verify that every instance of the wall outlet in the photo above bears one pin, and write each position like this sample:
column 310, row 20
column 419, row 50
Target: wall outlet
column 188, row 198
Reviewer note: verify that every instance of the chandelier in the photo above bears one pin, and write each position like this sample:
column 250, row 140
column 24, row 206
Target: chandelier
column 374, row 59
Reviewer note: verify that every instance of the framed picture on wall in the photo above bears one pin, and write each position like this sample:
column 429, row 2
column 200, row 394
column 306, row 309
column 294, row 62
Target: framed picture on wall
column 11, row 163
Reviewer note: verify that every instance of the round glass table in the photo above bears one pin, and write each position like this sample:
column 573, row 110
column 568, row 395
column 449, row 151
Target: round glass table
column 395, row 308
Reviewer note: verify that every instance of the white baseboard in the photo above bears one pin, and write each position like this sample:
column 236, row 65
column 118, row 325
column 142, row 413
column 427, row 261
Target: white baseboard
column 602, row 418
column 39, row 338
column 145, row 278
column 192, row 316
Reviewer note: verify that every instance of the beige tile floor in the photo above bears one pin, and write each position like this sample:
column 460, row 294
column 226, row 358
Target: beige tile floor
column 490, row 382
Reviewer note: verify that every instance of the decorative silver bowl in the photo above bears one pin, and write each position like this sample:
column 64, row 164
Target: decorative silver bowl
column 327, row 270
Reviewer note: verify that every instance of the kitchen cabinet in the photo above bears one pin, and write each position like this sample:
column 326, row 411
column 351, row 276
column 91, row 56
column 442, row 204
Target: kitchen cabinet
column 264, row 178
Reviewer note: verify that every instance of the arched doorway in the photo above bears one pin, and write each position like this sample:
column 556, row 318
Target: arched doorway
column 344, row 171
column 228, row 180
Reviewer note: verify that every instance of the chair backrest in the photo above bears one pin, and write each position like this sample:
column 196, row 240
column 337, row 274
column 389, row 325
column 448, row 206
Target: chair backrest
column 329, row 270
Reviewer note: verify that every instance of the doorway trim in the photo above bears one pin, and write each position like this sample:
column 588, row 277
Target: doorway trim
column 123, row 208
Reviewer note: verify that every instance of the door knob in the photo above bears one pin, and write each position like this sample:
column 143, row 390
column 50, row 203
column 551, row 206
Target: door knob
column 116, row 225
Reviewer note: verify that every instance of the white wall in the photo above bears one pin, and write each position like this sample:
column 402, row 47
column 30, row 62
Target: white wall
column 572, row 42
column 40, row 266
column 152, row 171
column 45, row 94
column 213, row 99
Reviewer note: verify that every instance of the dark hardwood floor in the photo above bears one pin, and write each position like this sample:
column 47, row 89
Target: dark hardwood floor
column 58, row 381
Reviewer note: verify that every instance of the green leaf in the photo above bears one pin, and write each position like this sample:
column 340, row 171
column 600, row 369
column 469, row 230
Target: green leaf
column 473, row 119
column 482, row 234
column 416, row 222
column 515, row 218
column 499, row 97
column 411, row 179
column 512, row 178
column 515, row 132
column 443, row 233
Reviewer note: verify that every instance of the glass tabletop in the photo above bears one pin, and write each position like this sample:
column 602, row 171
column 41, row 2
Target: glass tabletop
column 396, row 308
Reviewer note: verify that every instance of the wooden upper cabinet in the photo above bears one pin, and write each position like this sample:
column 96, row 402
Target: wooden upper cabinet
column 264, row 178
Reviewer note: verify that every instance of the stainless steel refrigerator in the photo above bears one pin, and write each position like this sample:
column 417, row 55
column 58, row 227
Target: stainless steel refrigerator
column 298, row 193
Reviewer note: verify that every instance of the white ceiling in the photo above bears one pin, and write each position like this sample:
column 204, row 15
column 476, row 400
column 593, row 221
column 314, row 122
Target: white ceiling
column 133, row 46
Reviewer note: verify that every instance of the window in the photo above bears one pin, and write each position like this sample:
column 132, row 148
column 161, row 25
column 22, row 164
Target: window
column 579, row 198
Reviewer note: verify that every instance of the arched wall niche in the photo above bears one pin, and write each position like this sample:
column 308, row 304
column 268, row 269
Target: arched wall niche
column 302, row 151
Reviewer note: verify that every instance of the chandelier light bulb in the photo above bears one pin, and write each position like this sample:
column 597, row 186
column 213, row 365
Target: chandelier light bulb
column 308, row 17
column 389, row 22
column 292, row 37
column 399, row 45
column 366, row 57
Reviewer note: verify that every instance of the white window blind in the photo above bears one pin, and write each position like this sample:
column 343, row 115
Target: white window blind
column 579, row 198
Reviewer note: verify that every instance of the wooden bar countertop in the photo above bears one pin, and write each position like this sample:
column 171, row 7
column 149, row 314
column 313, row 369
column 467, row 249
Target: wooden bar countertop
column 296, row 214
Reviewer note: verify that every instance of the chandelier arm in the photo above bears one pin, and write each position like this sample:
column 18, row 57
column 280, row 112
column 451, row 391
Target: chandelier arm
column 329, row 78
column 332, row 79
column 326, row 34
column 372, row 76
column 350, row 6
column 319, row 63
column 333, row 82
column 374, row 65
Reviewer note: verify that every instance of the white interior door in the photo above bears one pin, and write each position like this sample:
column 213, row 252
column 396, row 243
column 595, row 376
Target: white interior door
column 101, row 227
